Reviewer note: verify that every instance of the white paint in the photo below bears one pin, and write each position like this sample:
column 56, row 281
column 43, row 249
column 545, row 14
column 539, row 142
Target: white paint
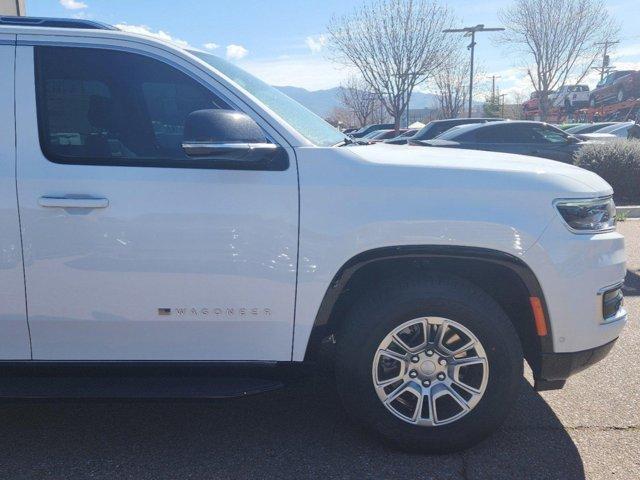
column 170, row 238
column 14, row 336
column 95, row 281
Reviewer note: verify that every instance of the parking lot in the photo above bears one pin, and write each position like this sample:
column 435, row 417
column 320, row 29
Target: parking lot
column 591, row 429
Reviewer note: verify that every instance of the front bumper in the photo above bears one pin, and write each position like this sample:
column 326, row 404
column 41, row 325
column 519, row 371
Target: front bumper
column 574, row 272
column 580, row 276
column 555, row 368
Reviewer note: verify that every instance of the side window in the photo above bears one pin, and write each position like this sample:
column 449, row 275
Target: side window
column 492, row 134
column 549, row 135
column 108, row 107
column 514, row 133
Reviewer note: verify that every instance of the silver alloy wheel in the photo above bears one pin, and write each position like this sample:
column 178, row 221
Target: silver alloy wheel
column 430, row 371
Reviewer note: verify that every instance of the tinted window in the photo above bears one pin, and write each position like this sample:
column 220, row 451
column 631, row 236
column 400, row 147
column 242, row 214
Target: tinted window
column 434, row 129
column 547, row 134
column 108, row 107
column 508, row 133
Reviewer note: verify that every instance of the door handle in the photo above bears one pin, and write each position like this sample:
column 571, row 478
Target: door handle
column 73, row 202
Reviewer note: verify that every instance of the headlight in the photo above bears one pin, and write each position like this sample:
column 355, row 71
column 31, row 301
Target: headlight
column 588, row 216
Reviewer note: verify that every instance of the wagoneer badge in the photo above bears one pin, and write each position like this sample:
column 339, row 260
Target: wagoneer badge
column 217, row 311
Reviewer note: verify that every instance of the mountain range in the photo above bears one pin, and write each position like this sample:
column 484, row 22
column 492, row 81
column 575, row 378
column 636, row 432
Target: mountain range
column 322, row 102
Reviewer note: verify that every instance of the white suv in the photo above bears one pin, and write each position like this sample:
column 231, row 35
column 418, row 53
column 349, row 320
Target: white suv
column 162, row 205
column 571, row 97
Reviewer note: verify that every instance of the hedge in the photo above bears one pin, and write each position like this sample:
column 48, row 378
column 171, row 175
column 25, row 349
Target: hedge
column 618, row 162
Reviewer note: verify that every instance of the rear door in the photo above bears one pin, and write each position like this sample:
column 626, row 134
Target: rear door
column 14, row 334
column 131, row 253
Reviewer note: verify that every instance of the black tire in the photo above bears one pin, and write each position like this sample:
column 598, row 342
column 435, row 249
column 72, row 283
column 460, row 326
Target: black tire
column 385, row 308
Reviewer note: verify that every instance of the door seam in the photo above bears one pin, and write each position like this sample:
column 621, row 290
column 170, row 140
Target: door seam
column 15, row 177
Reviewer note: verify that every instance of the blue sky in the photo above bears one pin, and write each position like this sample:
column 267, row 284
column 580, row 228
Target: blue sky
column 282, row 41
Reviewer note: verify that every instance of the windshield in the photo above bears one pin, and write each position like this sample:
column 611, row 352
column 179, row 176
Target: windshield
column 307, row 123
column 458, row 130
column 588, row 128
column 614, row 127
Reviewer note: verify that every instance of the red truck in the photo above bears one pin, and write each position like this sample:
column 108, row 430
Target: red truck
column 615, row 88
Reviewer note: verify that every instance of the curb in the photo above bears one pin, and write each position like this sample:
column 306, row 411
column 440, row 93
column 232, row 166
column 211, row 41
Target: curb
column 631, row 211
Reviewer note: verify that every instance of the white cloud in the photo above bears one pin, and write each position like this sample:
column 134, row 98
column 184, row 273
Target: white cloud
column 316, row 42
column 627, row 51
column 305, row 71
column 210, row 46
column 236, row 52
column 73, row 4
column 161, row 35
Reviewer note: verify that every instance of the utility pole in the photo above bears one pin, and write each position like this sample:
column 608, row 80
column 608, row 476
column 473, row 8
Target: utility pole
column 493, row 87
column 501, row 102
column 471, row 32
column 605, row 67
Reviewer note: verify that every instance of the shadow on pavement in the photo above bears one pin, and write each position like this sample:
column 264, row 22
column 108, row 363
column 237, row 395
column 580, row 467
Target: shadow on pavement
column 632, row 283
column 297, row 432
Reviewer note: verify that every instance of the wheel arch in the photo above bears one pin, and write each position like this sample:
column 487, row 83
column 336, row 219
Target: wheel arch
column 505, row 277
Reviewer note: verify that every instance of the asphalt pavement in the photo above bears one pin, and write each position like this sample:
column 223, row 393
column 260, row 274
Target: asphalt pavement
column 590, row 429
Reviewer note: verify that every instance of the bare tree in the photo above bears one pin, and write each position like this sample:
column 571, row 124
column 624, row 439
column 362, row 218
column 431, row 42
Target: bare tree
column 395, row 44
column 561, row 38
column 340, row 117
column 452, row 85
column 356, row 95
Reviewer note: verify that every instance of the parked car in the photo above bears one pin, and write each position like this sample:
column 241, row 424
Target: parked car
column 367, row 129
column 570, row 97
column 348, row 131
column 436, row 127
column 612, row 132
column 589, row 127
column 403, row 137
column 532, row 104
column 172, row 209
column 526, row 138
column 616, row 87
column 382, row 135
column 567, row 126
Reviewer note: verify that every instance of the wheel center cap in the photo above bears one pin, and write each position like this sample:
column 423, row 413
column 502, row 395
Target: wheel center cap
column 427, row 367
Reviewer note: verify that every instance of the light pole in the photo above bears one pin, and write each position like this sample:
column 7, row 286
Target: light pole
column 471, row 32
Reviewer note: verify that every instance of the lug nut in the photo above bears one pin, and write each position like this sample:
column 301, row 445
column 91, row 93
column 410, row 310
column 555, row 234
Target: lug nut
column 413, row 374
column 429, row 353
column 442, row 361
column 426, row 383
column 441, row 376
column 415, row 359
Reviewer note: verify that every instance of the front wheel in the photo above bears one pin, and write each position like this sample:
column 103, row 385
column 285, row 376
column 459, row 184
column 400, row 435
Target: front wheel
column 433, row 364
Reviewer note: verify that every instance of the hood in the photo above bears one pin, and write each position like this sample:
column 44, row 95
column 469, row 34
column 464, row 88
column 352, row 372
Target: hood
column 598, row 137
column 434, row 142
column 569, row 179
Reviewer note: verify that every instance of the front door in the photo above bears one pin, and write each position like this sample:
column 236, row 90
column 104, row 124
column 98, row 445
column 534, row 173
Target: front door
column 128, row 256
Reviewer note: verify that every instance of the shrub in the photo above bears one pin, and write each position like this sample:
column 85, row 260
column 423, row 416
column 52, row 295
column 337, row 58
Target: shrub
column 618, row 162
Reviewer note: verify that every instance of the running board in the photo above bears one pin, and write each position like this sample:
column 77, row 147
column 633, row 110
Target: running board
column 187, row 387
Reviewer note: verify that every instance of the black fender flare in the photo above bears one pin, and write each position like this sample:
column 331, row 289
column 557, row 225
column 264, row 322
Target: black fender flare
column 512, row 262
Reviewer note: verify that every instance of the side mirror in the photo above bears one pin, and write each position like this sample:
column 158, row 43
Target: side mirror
column 229, row 136
column 572, row 140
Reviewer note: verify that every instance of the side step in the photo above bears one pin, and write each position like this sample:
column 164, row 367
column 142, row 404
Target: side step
column 188, row 387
